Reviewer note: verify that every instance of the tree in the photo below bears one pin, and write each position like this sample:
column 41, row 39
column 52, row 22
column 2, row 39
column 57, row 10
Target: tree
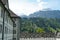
column 40, row 30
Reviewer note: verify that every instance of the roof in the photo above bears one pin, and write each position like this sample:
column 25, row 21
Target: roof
column 4, row 2
column 12, row 14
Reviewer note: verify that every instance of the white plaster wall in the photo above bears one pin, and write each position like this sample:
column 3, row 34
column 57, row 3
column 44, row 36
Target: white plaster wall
column 57, row 38
column 37, row 38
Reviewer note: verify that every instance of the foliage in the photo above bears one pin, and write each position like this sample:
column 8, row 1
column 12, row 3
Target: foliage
column 40, row 25
column 39, row 30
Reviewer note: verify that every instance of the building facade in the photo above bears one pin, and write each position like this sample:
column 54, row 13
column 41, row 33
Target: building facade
column 8, row 23
column 16, row 25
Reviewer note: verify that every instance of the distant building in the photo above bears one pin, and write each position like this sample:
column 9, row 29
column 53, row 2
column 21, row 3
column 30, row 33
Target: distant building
column 58, row 35
column 9, row 24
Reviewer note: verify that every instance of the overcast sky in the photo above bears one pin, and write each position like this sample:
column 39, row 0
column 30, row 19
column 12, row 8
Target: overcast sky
column 21, row 7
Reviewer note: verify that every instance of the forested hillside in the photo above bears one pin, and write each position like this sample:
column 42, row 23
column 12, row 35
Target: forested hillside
column 47, row 25
column 40, row 25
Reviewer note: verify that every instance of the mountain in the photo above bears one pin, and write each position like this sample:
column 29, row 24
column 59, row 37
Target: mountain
column 23, row 16
column 46, row 14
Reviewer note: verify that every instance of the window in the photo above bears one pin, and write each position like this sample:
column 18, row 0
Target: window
column 14, row 24
column 0, row 28
column 14, row 31
column 6, row 30
column 14, row 38
column 2, row 12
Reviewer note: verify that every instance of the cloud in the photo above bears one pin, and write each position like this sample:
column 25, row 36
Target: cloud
column 24, row 7
column 38, row 0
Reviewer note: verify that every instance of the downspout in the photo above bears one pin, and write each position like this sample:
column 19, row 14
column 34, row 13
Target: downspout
column 3, row 25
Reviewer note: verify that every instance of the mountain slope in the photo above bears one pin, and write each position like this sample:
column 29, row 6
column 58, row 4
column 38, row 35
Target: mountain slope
column 46, row 14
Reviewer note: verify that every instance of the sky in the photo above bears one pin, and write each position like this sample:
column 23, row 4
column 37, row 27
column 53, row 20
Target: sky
column 27, row 7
